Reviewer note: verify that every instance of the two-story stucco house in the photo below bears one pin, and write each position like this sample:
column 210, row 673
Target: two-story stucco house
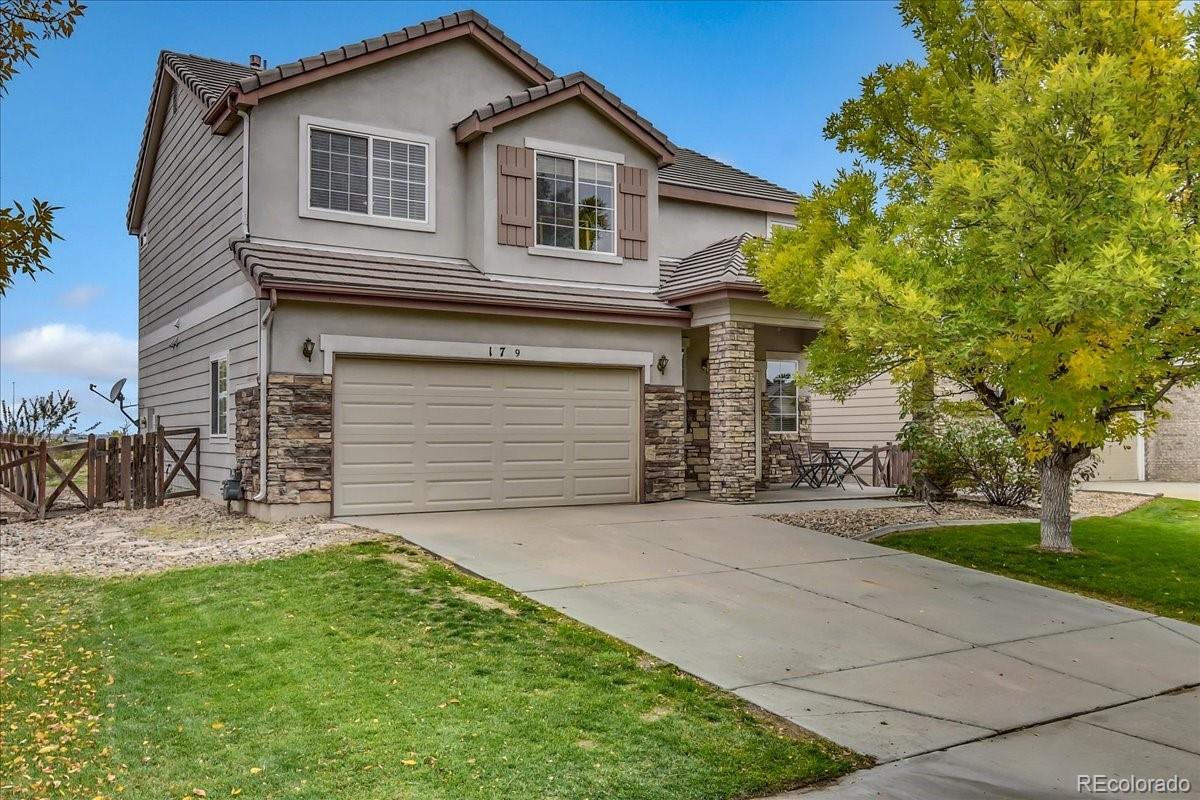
column 423, row 272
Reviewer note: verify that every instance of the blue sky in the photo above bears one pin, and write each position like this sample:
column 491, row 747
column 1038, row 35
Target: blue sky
column 749, row 83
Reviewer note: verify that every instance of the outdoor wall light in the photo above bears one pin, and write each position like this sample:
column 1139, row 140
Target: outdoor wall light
column 661, row 363
column 704, row 365
column 308, row 348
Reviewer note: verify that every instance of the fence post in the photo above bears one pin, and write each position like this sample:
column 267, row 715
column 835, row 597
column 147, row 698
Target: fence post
column 113, row 476
column 148, row 473
column 126, row 491
column 41, row 480
column 88, row 458
column 197, row 440
column 160, row 473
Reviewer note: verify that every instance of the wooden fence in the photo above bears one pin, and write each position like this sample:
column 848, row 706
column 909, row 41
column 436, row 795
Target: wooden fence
column 889, row 464
column 141, row 471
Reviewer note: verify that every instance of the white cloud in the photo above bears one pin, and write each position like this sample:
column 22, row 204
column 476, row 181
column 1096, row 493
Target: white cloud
column 70, row 350
column 80, row 296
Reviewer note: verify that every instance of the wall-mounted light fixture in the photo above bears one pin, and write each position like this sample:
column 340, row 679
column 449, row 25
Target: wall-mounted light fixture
column 308, row 348
column 661, row 363
column 704, row 365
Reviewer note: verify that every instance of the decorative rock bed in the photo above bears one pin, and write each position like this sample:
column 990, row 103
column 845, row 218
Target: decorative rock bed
column 182, row 533
column 860, row 523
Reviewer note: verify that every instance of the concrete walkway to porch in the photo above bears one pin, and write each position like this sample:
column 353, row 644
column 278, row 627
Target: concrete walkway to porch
column 967, row 684
column 784, row 493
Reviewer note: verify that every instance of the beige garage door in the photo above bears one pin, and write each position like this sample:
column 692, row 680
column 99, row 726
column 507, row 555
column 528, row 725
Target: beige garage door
column 444, row 435
column 1118, row 461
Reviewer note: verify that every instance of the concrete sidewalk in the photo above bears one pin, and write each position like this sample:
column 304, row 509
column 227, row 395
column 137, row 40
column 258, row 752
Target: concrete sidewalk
column 1183, row 490
column 891, row 654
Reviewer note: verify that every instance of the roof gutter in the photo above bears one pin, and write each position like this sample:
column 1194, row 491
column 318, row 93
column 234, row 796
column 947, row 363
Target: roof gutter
column 677, row 318
column 694, row 194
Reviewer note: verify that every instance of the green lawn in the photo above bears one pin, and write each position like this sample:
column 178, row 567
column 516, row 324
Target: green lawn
column 1148, row 558
column 360, row 672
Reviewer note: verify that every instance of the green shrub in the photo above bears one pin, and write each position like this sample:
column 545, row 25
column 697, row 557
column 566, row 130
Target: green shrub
column 962, row 448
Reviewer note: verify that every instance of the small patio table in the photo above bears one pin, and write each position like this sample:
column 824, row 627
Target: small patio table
column 829, row 466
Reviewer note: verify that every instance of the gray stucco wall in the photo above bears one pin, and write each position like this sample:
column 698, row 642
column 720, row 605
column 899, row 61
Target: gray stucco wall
column 193, row 299
column 686, row 227
column 424, row 92
column 296, row 321
column 570, row 123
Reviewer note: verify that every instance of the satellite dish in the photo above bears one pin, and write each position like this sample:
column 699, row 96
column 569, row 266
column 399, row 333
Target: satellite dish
column 116, row 397
column 114, row 394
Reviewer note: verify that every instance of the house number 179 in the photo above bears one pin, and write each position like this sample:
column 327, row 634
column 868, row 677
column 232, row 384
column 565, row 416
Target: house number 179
column 499, row 351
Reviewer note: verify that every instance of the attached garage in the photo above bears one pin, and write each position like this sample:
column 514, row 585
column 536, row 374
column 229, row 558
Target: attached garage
column 412, row 435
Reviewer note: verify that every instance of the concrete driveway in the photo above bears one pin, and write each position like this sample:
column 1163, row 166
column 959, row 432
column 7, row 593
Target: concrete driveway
column 974, row 685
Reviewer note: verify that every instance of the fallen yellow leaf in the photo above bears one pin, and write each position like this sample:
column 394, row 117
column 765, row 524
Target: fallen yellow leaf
column 216, row 726
column 408, row 762
column 255, row 770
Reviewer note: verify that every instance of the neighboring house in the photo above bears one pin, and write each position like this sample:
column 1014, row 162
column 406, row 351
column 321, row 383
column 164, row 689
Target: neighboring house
column 1170, row 453
column 423, row 272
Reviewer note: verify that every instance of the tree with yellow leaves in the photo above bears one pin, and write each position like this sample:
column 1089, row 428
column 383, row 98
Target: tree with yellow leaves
column 1022, row 225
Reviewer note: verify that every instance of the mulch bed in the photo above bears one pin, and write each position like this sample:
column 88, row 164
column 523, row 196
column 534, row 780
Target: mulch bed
column 854, row 522
column 181, row 533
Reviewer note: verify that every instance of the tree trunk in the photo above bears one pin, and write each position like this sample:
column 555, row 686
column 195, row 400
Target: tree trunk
column 1056, row 504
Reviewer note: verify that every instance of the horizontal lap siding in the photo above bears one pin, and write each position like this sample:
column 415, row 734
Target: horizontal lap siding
column 193, row 209
column 870, row 416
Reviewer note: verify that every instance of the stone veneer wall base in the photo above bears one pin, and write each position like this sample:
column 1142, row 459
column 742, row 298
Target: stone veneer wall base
column 696, row 442
column 299, row 442
column 663, row 443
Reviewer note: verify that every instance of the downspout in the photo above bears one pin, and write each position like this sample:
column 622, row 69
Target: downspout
column 264, row 322
column 264, row 358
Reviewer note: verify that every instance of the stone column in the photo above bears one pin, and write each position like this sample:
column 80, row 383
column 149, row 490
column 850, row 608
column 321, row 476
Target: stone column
column 663, row 432
column 731, row 384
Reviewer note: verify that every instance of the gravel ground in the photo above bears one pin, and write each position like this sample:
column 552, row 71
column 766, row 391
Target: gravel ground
column 853, row 523
column 182, row 533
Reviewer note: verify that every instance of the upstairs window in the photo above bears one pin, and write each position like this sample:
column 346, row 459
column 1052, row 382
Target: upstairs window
column 576, row 204
column 358, row 172
column 783, row 415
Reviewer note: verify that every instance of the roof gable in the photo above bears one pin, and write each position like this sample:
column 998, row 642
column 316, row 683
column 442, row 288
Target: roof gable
column 250, row 89
column 576, row 85
column 720, row 265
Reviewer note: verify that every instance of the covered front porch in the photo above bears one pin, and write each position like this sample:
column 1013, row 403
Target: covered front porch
column 748, row 424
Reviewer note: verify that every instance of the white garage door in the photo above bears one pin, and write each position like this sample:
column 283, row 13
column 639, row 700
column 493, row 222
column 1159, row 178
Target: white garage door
column 445, row 435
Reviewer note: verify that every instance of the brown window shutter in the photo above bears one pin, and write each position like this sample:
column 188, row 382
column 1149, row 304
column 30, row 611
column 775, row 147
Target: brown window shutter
column 634, row 228
column 514, row 195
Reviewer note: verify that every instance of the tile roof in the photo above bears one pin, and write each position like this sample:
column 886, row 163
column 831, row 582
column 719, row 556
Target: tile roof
column 701, row 172
column 721, row 264
column 207, row 78
column 451, row 281
column 557, row 85
column 266, row 77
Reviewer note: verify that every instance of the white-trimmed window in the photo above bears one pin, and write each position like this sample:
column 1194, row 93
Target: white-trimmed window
column 357, row 173
column 772, row 224
column 576, row 203
column 783, row 414
column 218, row 395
